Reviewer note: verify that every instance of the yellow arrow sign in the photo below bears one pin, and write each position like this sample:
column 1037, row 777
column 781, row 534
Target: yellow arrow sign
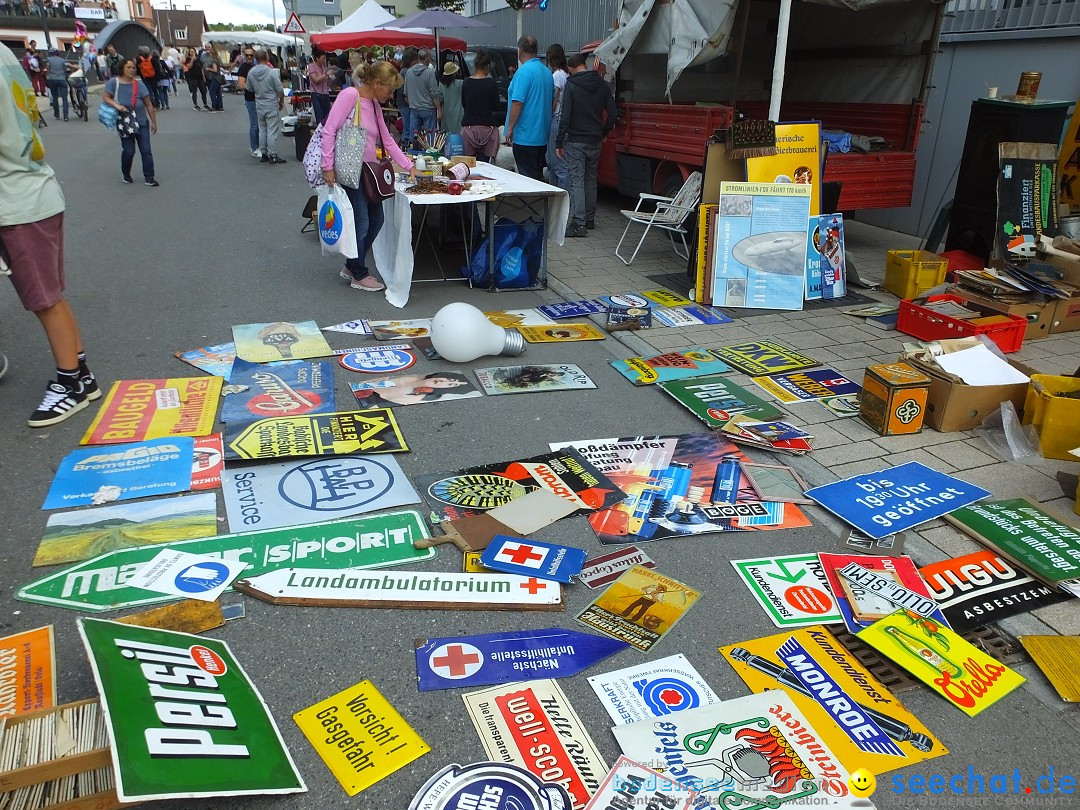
column 327, row 434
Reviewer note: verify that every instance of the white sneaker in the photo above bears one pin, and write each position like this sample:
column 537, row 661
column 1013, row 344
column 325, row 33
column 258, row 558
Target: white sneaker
column 257, row 153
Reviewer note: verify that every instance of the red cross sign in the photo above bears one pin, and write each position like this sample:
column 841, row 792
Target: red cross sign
column 456, row 660
column 522, row 554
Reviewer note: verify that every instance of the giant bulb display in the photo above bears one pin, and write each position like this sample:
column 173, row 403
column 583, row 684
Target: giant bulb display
column 460, row 333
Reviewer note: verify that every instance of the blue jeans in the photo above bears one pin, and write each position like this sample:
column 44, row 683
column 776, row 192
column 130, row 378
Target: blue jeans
column 368, row 218
column 59, row 90
column 556, row 167
column 253, row 125
column 423, row 119
column 406, row 125
column 320, row 107
column 127, row 157
column 215, row 95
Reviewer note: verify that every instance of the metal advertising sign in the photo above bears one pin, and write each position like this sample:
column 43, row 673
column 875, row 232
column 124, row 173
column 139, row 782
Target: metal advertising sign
column 572, row 309
column 267, row 342
column 451, row 663
column 329, row 434
column 214, row 737
column 533, row 724
column 27, row 672
column 378, row 359
column 101, row 584
column 605, row 569
column 792, row 590
column 715, row 400
column 515, row 555
column 279, row 389
column 763, row 357
column 360, row 736
column 629, row 784
column 694, row 362
column 292, row 493
column 193, row 576
column 490, row 785
column 207, row 463
column 651, row 690
column 848, row 706
column 803, row 386
column 409, row 590
column 135, row 410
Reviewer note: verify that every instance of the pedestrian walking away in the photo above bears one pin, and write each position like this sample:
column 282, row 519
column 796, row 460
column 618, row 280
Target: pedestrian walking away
column 479, row 124
column 408, row 59
column 32, row 247
column 265, row 84
column 528, row 118
column 450, row 86
column 57, row 70
column 588, row 115
column 127, row 93
column 377, row 83
column 249, row 100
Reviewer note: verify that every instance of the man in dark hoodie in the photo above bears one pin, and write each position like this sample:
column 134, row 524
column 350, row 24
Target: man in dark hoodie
column 586, row 100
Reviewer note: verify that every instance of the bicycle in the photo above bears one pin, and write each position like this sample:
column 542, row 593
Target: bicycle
column 77, row 91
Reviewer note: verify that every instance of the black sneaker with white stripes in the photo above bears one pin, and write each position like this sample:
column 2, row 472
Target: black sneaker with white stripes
column 90, row 385
column 59, row 403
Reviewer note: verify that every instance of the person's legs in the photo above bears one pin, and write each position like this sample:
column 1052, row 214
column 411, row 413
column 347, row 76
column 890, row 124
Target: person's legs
column 264, row 135
column 143, row 138
column 273, row 130
column 253, row 126
column 423, row 120
column 575, row 165
column 55, row 92
column 202, row 90
column 530, row 161
column 355, row 270
column 376, row 218
column 152, row 89
column 194, row 88
column 215, row 96
column 592, row 161
column 406, row 124
column 127, row 157
column 557, row 175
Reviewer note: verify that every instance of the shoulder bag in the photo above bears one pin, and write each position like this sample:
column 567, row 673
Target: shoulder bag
column 349, row 145
column 127, row 122
column 378, row 174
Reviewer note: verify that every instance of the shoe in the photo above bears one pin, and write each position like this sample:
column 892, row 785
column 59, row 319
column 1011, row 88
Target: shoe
column 3, row 364
column 65, row 118
column 367, row 284
column 276, row 161
column 265, row 159
column 590, row 225
column 59, row 403
column 345, row 274
column 90, row 386
column 152, row 183
column 56, row 116
column 577, row 230
column 256, row 153
column 198, row 108
column 127, row 179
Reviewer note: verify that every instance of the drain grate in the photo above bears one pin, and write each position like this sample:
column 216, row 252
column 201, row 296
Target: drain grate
column 991, row 640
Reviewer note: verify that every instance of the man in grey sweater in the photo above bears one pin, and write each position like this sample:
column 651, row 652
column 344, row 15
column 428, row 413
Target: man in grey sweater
column 423, row 95
column 265, row 82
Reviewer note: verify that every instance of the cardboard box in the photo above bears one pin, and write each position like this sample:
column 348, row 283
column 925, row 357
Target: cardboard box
column 953, row 405
column 1039, row 314
column 1069, row 268
column 1066, row 316
column 893, row 398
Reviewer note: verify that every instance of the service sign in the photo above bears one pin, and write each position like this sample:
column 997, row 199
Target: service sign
column 532, row 724
column 650, row 690
column 451, row 663
column 279, row 389
column 27, row 672
column 531, row 558
column 328, row 434
column 803, row 386
column 135, row 410
column 984, row 587
column 214, row 737
column 755, row 751
column 854, row 713
column 360, row 736
column 763, row 357
column 958, row 671
column 100, row 475
column 309, row 490
column 792, row 590
column 605, row 569
column 491, row 786
column 103, row 583
column 629, row 784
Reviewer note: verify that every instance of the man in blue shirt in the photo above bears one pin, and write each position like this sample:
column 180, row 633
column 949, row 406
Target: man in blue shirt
column 528, row 118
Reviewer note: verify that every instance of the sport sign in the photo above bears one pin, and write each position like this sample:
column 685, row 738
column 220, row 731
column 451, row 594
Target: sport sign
column 410, row 590
column 451, row 663
column 103, row 583
column 213, row 737
column 792, row 590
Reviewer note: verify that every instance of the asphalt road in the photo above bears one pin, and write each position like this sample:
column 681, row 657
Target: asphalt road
column 153, row 271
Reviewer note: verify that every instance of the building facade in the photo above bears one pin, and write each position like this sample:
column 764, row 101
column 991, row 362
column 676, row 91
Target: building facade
column 399, row 8
column 315, row 15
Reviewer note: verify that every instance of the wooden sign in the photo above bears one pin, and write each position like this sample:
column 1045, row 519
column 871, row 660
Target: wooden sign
column 403, row 589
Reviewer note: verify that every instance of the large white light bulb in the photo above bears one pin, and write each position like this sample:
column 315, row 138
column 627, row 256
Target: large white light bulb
column 460, row 333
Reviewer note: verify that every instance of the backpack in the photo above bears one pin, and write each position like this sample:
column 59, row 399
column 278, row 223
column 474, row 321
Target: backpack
column 313, row 159
column 146, row 68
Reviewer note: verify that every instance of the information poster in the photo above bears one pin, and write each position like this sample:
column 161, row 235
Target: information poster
column 136, row 410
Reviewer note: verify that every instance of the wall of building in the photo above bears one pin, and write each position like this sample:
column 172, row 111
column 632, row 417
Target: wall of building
column 572, row 24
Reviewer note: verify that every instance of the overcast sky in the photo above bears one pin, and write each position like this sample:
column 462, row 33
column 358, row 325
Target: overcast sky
column 243, row 11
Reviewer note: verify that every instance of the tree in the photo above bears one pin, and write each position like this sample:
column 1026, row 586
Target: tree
column 456, row 6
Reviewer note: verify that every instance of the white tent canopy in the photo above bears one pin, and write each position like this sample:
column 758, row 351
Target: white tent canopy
column 365, row 18
column 265, row 38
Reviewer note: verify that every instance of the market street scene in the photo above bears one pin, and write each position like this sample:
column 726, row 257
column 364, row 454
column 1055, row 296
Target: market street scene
column 552, row 405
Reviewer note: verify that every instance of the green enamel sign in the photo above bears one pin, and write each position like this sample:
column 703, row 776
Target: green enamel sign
column 100, row 584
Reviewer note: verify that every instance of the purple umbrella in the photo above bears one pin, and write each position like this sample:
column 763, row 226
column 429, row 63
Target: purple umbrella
column 435, row 18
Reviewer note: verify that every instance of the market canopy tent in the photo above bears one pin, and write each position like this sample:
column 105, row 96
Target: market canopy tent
column 361, row 29
column 267, row 39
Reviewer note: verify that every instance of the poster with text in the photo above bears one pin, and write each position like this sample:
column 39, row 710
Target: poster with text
column 136, row 410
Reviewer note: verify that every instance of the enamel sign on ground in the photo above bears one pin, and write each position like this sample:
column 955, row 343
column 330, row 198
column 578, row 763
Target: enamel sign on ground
column 516, row 555
column 102, row 583
column 378, row 359
column 451, row 663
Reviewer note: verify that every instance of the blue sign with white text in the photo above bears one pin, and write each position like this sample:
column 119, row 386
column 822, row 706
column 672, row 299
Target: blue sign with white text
column 845, row 712
column 894, row 500
column 120, row 472
column 531, row 558
column 522, row 655
column 572, row 309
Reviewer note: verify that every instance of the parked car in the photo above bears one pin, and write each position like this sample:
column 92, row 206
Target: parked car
column 502, row 60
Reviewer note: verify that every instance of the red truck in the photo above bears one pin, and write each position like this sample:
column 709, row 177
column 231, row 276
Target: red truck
column 863, row 72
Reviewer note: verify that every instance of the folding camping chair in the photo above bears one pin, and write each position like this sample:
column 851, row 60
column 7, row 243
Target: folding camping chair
column 672, row 215
column 311, row 210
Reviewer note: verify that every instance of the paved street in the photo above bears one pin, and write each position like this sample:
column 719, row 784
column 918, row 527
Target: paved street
column 156, row 270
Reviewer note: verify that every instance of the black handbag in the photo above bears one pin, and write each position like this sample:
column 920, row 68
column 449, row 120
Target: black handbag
column 378, row 175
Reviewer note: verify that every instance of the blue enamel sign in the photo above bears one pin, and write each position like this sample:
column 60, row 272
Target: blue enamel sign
column 531, row 558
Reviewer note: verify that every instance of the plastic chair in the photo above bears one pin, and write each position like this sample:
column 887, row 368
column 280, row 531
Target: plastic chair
column 671, row 215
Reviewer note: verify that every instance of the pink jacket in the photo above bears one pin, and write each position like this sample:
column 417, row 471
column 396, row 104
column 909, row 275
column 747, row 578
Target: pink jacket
column 370, row 117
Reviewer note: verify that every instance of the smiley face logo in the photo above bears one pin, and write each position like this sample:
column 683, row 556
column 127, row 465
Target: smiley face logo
column 862, row 783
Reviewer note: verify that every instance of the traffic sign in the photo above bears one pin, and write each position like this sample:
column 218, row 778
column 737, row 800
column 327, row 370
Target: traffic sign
column 451, row 663
column 294, row 26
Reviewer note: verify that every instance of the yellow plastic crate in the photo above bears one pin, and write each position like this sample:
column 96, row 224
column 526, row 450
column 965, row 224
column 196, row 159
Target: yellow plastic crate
column 1056, row 418
column 910, row 273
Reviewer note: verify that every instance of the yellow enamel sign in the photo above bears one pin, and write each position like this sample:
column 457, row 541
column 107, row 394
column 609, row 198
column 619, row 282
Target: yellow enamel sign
column 666, row 298
column 797, row 160
column 325, row 434
column 856, row 716
column 136, row 410
column 561, row 333
column 360, row 736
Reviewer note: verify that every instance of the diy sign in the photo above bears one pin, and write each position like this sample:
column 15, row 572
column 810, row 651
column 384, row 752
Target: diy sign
column 360, row 736
column 102, row 583
column 515, row 555
column 897, row 499
column 451, row 663
column 792, row 590
column 411, row 590
column 651, row 690
column 215, row 738
column 135, row 410
column 763, row 357
column 328, row 434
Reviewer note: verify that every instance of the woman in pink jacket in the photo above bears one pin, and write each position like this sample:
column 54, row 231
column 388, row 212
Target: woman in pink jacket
column 373, row 85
